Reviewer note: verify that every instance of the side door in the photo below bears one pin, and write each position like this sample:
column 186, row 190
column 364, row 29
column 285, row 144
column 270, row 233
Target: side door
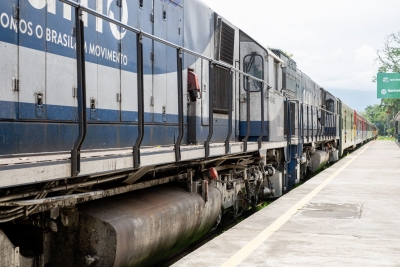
column 168, row 17
column 253, row 62
column 61, row 78
column 140, row 17
column 32, row 58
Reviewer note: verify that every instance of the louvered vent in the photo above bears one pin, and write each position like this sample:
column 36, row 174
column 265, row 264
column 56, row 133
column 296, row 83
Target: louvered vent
column 227, row 43
column 220, row 90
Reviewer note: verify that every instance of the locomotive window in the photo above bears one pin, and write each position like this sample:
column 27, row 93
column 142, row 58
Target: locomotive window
column 254, row 65
column 330, row 106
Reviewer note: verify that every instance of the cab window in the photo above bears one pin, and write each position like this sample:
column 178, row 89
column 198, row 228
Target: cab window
column 254, row 65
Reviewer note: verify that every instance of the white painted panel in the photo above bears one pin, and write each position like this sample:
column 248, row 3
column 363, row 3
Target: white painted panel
column 175, row 35
column 60, row 80
column 160, row 63
column 109, row 85
column 32, row 73
column 91, row 85
column 129, row 93
column 144, row 23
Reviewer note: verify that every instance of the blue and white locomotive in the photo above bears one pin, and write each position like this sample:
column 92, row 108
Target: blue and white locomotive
column 129, row 127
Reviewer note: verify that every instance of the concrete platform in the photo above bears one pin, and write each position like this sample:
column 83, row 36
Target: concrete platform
column 348, row 215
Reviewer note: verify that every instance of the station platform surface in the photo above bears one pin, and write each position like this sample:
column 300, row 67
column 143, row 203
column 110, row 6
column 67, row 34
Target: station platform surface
column 348, row 215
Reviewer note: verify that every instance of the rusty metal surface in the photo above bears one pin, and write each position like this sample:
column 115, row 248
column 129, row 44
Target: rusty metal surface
column 142, row 228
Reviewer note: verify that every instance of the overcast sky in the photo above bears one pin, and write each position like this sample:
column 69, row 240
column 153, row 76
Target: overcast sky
column 334, row 42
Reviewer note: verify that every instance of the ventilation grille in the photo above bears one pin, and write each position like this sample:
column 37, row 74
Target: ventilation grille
column 220, row 90
column 227, row 43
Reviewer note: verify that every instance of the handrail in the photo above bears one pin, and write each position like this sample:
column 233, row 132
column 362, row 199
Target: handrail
column 81, row 91
column 312, row 124
column 157, row 39
column 230, row 109
column 308, row 123
column 210, row 110
column 180, row 105
column 245, row 139
column 140, row 99
column 262, row 118
column 141, row 34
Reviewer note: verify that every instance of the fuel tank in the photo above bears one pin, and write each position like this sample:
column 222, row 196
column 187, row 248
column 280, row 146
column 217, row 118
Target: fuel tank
column 144, row 227
column 318, row 159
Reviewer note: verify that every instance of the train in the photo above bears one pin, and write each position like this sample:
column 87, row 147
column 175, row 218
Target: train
column 128, row 129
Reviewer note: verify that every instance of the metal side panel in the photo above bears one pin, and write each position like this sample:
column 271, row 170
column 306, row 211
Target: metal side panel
column 174, row 34
column 32, row 73
column 32, row 60
column 109, row 85
column 276, row 117
column 198, row 35
column 61, row 78
column 145, row 23
column 160, row 63
column 91, row 91
column 8, row 62
column 9, row 74
column 108, row 53
column 61, row 84
column 129, row 101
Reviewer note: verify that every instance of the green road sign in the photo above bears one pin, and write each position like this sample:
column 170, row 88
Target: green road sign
column 388, row 85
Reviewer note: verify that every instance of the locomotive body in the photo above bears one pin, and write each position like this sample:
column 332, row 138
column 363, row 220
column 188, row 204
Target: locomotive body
column 109, row 97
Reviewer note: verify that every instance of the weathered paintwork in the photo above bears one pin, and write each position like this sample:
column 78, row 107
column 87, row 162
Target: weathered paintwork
column 144, row 227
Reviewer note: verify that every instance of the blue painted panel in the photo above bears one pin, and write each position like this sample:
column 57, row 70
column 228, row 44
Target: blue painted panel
column 65, row 113
column 8, row 109
column 8, row 33
column 30, row 137
column 255, row 129
column 292, row 172
column 58, row 36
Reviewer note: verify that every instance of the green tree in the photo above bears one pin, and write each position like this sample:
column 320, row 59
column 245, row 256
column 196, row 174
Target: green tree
column 388, row 60
column 389, row 56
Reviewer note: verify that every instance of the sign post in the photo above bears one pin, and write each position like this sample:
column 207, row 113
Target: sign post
column 388, row 85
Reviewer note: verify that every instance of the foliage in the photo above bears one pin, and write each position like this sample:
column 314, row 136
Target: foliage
column 382, row 115
column 386, row 138
column 388, row 59
column 389, row 56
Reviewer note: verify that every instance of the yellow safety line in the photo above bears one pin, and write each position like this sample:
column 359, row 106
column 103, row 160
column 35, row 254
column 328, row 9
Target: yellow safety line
column 243, row 253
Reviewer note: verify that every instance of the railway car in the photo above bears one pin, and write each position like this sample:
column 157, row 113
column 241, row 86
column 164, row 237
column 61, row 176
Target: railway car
column 129, row 128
